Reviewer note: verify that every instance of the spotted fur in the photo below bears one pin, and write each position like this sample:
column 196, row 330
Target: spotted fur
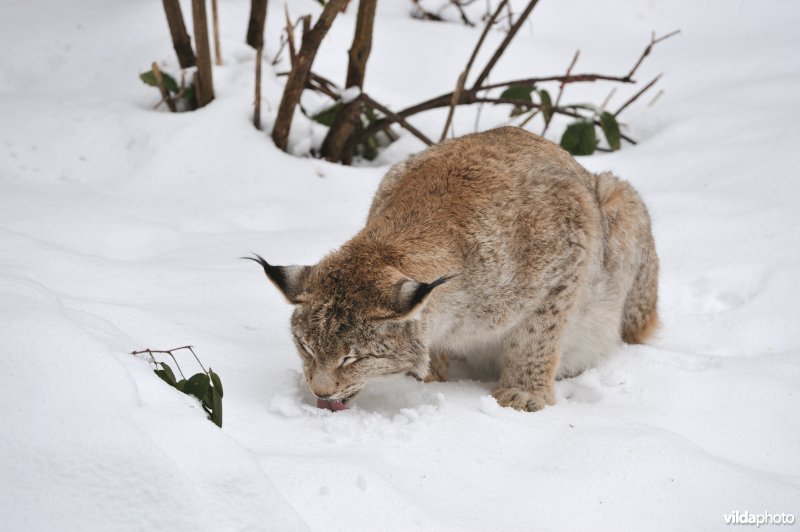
column 498, row 248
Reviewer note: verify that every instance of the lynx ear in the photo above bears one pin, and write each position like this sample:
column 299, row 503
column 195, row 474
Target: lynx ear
column 290, row 280
column 409, row 295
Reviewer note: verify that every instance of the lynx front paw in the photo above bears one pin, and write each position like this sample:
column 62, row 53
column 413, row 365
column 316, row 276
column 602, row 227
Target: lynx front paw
column 437, row 370
column 520, row 399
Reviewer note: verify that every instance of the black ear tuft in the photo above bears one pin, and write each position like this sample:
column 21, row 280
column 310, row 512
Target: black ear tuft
column 290, row 280
column 409, row 294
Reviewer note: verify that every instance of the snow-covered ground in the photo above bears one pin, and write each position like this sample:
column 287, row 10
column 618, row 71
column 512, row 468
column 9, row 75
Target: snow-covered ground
column 120, row 228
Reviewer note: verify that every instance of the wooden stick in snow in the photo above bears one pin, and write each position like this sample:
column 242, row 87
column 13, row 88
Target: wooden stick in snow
column 255, row 38
column 203, row 81
column 180, row 39
column 300, row 70
column 215, row 23
column 165, row 96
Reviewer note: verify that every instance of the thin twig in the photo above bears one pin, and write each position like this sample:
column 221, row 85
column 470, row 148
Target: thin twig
column 556, row 110
column 510, row 18
column 463, row 14
column 478, row 117
column 636, row 96
column 215, row 25
column 195, row 357
column 171, row 355
column 423, row 14
column 608, row 99
column 469, row 96
column 399, row 119
column 529, row 118
column 298, row 77
column 257, row 103
column 281, row 45
column 163, row 88
column 561, row 87
column 462, row 78
column 504, row 44
column 176, row 364
column 655, row 98
column 290, row 34
column 653, row 41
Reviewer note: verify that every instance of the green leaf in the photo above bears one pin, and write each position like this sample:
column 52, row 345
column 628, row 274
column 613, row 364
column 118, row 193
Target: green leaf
column 165, row 377
column 611, row 130
column 517, row 110
column 208, row 398
column 370, row 149
column 169, row 372
column 181, row 384
column 518, row 92
column 547, row 105
column 188, row 97
column 197, row 385
column 216, row 412
column 170, row 83
column 580, row 138
column 327, row 116
column 150, row 78
column 216, row 382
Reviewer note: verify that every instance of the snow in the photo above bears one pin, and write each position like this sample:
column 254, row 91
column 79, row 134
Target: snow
column 120, row 228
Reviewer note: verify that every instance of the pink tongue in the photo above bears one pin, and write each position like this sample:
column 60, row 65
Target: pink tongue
column 331, row 404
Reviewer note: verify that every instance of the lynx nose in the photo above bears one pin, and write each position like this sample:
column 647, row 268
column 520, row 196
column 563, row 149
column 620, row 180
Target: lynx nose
column 322, row 385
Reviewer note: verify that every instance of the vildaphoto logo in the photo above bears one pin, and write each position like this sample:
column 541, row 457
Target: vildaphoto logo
column 764, row 518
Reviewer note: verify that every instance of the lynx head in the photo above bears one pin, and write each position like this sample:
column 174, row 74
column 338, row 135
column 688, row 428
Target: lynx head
column 353, row 321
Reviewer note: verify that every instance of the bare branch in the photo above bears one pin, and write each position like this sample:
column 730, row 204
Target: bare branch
column 636, row 96
column 180, row 39
column 462, row 14
column 462, row 78
column 349, row 114
column 255, row 25
column 165, row 96
column 399, row 119
column 255, row 38
column 204, row 83
column 608, row 98
column 572, row 78
column 646, row 52
column 561, row 87
column 257, row 103
column 298, row 77
column 503, row 45
column 290, row 35
column 655, row 98
column 421, row 13
column 469, row 96
column 215, row 26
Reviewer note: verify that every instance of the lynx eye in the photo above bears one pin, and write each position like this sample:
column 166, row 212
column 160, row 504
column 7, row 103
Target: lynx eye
column 349, row 359
column 346, row 361
column 307, row 348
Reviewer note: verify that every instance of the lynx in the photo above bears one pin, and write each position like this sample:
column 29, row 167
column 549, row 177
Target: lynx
column 496, row 248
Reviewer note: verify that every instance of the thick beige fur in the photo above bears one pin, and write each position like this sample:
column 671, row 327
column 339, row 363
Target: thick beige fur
column 497, row 248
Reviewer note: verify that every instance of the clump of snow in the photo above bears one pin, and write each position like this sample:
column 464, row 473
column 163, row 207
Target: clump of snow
column 120, row 227
column 350, row 94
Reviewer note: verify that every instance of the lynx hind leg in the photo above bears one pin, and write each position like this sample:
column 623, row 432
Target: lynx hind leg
column 629, row 235
column 640, row 314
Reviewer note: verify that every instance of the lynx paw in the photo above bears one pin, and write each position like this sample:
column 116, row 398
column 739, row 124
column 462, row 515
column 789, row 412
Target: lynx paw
column 523, row 400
